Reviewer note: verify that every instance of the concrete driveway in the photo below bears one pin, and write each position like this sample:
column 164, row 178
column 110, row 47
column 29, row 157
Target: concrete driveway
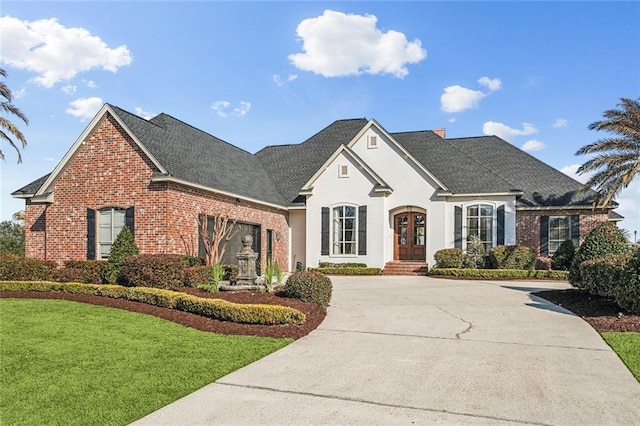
column 423, row 350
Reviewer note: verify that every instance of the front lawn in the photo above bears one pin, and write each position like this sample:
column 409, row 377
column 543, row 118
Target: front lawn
column 627, row 346
column 72, row 363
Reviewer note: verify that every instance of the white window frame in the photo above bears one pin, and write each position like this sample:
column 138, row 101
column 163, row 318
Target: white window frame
column 343, row 170
column 113, row 229
column 354, row 241
column 558, row 241
column 372, row 142
column 494, row 222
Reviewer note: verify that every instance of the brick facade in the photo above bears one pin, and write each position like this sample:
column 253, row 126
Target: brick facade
column 528, row 223
column 110, row 170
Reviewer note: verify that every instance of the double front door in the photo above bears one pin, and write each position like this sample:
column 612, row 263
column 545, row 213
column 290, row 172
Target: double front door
column 410, row 236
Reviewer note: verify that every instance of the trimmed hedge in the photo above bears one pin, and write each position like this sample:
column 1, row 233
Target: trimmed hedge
column 563, row 257
column 212, row 308
column 512, row 257
column 449, row 258
column 198, row 275
column 601, row 276
column 499, row 273
column 309, row 286
column 342, row 265
column 82, row 271
column 347, row 271
column 18, row 268
column 166, row 271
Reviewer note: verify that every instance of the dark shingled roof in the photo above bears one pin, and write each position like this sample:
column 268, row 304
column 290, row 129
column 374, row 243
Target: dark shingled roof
column 31, row 188
column 291, row 166
column 276, row 174
column 197, row 157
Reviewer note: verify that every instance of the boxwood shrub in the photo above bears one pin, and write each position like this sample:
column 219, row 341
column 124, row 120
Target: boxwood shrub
column 83, row 271
column 627, row 292
column 309, row 286
column 499, row 273
column 165, row 271
column 213, row 308
column 563, row 257
column 512, row 257
column 342, row 265
column 449, row 258
column 347, row 271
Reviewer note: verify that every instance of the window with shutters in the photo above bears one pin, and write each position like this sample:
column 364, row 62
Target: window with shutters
column 344, row 230
column 480, row 222
column 559, row 231
column 110, row 223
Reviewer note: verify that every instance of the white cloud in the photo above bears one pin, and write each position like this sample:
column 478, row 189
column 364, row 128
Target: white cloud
column 69, row 89
column 338, row 44
column 224, row 109
column 571, row 171
column 85, row 108
column 505, row 132
column 491, row 84
column 533, row 145
column 457, row 98
column 144, row 114
column 452, row 120
column 55, row 52
column 90, row 84
column 19, row 93
column 560, row 122
column 277, row 79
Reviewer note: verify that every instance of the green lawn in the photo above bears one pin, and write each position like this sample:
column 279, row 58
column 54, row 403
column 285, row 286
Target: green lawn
column 70, row 363
column 627, row 346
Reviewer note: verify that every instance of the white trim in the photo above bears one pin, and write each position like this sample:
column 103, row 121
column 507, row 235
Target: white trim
column 106, row 108
column 406, row 153
column 355, row 230
column 308, row 187
column 480, row 194
column 217, row 191
column 583, row 207
column 343, row 171
column 44, row 198
column 494, row 222
column 372, row 142
column 297, row 208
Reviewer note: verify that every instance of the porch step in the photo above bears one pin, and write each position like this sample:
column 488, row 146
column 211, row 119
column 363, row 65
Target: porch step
column 399, row 267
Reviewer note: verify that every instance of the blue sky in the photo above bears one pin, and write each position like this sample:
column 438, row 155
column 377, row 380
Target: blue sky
column 264, row 73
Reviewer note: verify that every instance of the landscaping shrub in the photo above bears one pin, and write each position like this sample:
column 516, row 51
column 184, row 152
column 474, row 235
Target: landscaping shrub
column 512, row 257
column 562, row 258
column 166, row 271
column 499, row 273
column 18, row 268
column 543, row 263
column 604, row 240
column 198, row 275
column 124, row 246
column 476, row 256
column 449, row 258
column 342, row 265
column 347, row 271
column 230, row 273
column 212, row 308
column 309, row 286
column 83, row 271
column 602, row 276
column 627, row 292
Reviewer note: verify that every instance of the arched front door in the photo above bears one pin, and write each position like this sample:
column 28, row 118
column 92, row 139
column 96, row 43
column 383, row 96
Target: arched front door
column 410, row 236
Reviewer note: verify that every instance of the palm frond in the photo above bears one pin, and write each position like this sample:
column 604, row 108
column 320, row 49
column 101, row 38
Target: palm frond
column 8, row 108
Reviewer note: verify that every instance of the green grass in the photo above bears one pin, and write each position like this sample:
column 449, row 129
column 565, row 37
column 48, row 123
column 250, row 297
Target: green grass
column 627, row 346
column 70, row 363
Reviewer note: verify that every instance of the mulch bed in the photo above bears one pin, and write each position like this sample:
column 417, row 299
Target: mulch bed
column 601, row 314
column 314, row 313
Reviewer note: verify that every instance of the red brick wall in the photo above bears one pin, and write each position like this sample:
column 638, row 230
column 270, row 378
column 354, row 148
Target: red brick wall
column 528, row 223
column 109, row 170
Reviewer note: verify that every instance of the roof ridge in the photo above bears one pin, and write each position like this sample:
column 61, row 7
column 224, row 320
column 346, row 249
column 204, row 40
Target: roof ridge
column 115, row 107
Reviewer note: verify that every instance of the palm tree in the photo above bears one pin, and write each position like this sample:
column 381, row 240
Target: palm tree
column 7, row 128
column 616, row 159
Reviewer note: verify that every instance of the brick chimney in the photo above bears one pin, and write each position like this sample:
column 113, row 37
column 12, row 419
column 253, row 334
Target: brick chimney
column 440, row 132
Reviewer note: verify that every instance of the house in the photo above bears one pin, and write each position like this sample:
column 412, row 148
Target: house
column 353, row 192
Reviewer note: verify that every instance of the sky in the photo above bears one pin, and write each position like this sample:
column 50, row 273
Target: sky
column 267, row 73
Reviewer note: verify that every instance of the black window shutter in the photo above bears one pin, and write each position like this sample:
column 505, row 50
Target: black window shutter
column 91, row 234
column 457, row 226
column 129, row 220
column 500, row 230
column 544, row 235
column 201, row 253
column 362, row 230
column 324, row 248
column 575, row 229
